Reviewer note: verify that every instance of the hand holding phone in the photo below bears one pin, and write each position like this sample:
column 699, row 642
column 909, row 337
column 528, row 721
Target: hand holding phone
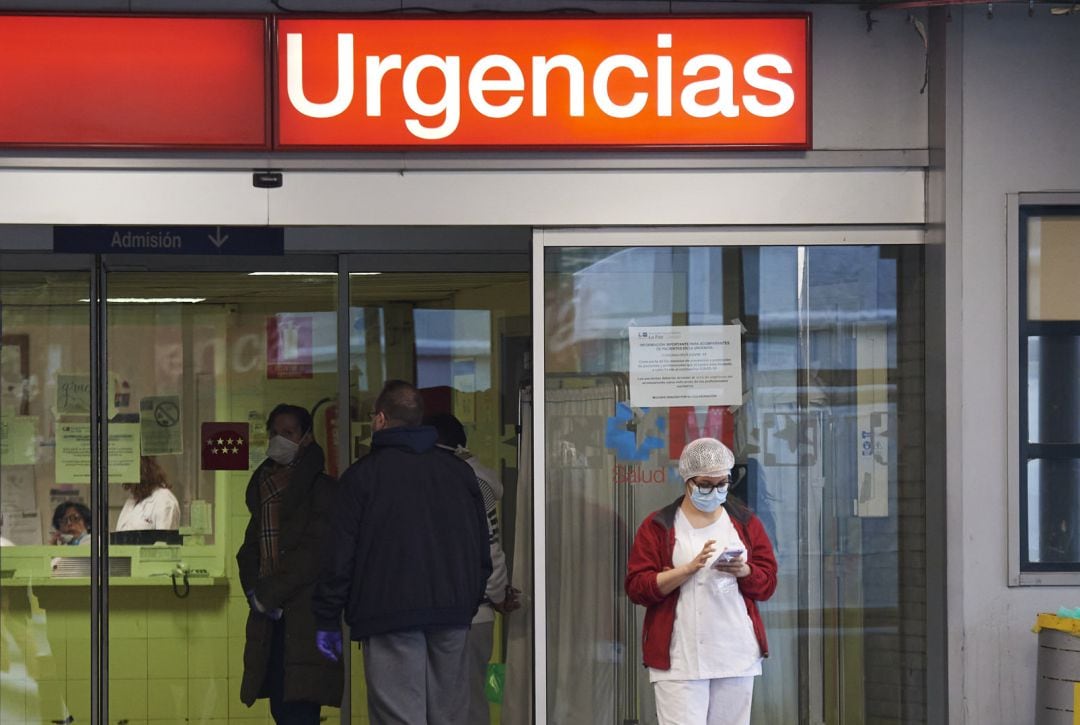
column 731, row 553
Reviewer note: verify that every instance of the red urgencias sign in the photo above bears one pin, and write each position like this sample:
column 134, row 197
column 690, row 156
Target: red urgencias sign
column 133, row 81
column 175, row 82
column 526, row 83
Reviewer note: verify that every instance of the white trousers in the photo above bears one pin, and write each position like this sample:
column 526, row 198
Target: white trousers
column 722, row 701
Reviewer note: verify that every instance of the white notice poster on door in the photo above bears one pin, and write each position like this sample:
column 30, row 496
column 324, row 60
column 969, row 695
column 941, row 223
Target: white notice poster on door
column 685, row 366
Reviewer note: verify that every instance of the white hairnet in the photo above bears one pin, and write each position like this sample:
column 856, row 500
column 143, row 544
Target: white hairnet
column 705, row 457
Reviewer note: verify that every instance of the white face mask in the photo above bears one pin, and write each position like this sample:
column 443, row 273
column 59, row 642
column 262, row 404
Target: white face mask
column 67, row 538
column 282, row 450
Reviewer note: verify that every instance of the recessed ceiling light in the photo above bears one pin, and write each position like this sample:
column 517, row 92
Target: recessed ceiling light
column 292, row 274
column 151, row 300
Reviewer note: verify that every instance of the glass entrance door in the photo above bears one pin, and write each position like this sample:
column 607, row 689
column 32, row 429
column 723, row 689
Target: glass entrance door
column 464, row 338
column 822, row 408
column 45, row 653
column 196, row 355
column 196, row 360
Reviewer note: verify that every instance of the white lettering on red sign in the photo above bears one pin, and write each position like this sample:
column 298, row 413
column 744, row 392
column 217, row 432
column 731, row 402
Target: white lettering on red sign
column 710, row 93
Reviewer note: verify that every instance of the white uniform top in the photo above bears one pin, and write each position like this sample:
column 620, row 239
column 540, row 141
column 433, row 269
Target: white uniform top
column 713, row 635
column 159, row 510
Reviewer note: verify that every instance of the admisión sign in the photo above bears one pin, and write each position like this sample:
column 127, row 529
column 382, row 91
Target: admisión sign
column 731, row 81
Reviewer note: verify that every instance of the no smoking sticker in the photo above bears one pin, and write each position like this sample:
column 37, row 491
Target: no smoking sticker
column 161, row 429
column 167, row 413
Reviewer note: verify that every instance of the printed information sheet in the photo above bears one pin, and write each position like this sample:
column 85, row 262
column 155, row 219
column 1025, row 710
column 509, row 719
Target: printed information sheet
column 686, row 365
column 73, row 453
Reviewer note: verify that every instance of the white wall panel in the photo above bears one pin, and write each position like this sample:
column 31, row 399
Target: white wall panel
column 1021, row 114
column 110, row 196
column 599, row 197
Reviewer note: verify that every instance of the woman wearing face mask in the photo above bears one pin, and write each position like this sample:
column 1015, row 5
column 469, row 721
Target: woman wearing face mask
column 290, row 498
column 71, row 524
column 700, row 565
column 150, row 503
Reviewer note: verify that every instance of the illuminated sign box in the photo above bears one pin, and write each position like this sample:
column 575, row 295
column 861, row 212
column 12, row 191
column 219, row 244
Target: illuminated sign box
column 133, row 82
column 734, row 81
column 405, row 83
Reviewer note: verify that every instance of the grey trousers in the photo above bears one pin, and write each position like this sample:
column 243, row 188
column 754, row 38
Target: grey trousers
column 417, row 677
column 481, row 637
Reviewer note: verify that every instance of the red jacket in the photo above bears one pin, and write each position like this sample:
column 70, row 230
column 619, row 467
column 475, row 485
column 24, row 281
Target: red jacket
column 651, row 554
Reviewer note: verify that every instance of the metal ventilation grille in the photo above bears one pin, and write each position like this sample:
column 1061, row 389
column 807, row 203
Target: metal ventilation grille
column 74, row 566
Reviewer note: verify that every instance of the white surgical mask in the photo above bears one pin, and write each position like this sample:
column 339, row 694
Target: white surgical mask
column 282, row 450
column 67, row 538
column 706, row 502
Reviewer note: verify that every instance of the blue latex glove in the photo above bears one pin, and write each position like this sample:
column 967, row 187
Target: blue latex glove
column 329, row 644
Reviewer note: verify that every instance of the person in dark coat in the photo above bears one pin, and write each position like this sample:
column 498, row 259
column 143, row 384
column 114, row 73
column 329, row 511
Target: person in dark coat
column 290, row 499
column 408, row 564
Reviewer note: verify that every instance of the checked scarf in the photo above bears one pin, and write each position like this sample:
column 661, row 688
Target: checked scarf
column 275, row 479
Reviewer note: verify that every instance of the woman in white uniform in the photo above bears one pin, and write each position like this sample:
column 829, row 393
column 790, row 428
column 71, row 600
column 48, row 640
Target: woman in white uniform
column 700, row 565
column 150, row 503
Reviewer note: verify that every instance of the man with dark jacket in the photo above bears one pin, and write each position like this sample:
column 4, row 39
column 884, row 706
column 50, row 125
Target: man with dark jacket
column 408, row 562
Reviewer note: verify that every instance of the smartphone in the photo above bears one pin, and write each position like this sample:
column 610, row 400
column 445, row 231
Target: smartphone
column 731, row 553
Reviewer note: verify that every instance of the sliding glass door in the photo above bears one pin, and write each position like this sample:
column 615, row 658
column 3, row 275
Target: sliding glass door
column 807, row 362
column 180, row 361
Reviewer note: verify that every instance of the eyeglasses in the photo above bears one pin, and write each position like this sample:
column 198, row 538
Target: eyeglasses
column 708, row 486
column 71, row 519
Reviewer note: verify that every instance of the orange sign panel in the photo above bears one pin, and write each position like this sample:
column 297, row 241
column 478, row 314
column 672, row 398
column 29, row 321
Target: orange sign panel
column 133, row 81
column 733, row 81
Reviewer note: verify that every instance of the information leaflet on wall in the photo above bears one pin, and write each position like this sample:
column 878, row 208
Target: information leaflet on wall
column 73, row 453
column 73, row 394
column 18, row 445
column 22, row 528
column 160, row 421
column 17, row 490
column 685, row 365
column 19, row 521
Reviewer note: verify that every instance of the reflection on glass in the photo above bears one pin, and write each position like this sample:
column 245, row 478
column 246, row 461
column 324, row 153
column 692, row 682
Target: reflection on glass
column 1053, row 389
column 819, row 435
column 1053, row 503
column 44, row 627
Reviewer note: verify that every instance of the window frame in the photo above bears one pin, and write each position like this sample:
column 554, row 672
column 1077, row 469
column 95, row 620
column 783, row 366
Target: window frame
column 1021, row 208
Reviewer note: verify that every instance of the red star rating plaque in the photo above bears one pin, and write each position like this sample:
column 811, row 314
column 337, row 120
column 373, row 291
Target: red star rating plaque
column 224, row 446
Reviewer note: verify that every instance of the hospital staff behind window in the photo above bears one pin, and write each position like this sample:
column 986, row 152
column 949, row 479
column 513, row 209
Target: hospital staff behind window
column 71, row 524
column 150, row 503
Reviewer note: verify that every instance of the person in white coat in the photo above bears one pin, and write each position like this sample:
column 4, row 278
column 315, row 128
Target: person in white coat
column 498, row 595
column 150, row 503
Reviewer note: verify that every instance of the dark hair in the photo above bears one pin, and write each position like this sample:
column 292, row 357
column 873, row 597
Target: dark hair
column 303, row 417
column 151, row 476
column 451, row 431
column 400, row 403
column 737, row 509
column 62, row 509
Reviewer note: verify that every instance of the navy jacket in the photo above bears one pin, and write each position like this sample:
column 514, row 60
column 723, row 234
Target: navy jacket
column 409, row 545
